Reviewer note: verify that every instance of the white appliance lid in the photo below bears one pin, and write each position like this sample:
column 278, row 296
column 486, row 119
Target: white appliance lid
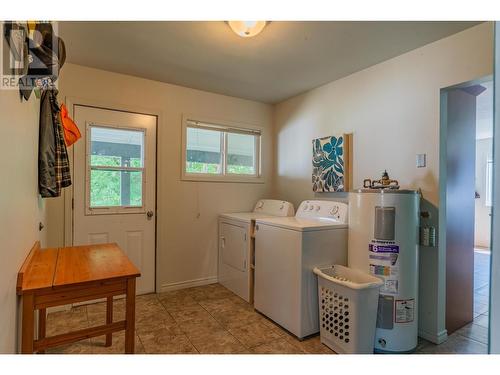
column 323, row 209
column 263, row 208
column 246, row 217
column 274, row 207
column 301, row 224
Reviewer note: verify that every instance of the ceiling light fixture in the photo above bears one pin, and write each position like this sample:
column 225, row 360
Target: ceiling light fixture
column 247, row 29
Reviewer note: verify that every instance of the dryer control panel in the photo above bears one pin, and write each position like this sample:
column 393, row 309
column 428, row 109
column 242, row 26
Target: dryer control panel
column 274, row 207
column 328, row 210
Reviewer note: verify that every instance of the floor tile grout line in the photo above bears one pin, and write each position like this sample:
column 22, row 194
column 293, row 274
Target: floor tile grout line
column 142, row 343
column 227, row 330
column 176, row 322
column 224, row 328
column 470, row 338
column 185, row 334
column 253, row 347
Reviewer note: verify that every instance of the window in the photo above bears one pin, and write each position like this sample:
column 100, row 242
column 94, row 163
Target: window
column 115, row 168
column 220, row 152
column 489, row 183
column 203, row 151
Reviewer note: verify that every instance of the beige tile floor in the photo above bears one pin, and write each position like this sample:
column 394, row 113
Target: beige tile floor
column 208, row 319
column 211, row 320
column 472, row 338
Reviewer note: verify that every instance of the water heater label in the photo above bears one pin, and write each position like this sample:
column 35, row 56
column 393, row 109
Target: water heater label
column 405, row 311
column 384, row 264
column 393, row 249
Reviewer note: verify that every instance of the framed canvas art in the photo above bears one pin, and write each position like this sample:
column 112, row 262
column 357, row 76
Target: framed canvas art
column 331, row 163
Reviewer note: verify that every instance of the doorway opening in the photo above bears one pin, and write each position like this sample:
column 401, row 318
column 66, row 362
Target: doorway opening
column 483, row 204
column 466, row 179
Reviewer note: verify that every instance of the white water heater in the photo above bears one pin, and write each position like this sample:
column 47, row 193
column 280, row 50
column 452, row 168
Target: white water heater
column 383, row 240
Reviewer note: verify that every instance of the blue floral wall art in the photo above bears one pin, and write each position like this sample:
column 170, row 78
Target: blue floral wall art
column 329, row 161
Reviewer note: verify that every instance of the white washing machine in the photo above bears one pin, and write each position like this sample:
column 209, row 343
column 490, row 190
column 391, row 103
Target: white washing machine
column 286, row 251
column 237, row 243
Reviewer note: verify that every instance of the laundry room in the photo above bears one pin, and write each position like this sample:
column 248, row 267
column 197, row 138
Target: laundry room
column 292, row 187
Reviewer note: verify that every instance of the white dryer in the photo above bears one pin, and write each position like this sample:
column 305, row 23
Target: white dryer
column 237, row 243
column 286, row 251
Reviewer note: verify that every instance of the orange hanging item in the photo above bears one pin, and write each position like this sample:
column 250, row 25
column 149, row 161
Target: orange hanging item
column 71, row 131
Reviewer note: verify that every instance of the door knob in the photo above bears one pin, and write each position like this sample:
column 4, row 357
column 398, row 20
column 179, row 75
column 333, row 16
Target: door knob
column 149, row 214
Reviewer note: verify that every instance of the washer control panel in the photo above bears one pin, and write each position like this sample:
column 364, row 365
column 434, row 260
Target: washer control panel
column 329, row 210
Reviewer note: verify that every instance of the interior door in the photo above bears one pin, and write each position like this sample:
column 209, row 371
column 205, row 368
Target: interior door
column 460, row 193
column 115, row 185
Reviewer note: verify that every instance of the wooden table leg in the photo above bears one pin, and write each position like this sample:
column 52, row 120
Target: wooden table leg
column 109, row 319
column 28, row 323
column 130, row 317
column 42, row 325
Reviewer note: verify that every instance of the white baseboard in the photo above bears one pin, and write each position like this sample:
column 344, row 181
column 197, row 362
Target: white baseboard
column 187, row 284
column 438, row 338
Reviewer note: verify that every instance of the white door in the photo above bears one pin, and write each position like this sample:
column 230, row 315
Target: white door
column 233, row 258
column 234, row 246
column 278, row 275
column 114, row 185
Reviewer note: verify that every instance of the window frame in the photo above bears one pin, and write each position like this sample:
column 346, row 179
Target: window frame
column 108, row 210
column 225, row 127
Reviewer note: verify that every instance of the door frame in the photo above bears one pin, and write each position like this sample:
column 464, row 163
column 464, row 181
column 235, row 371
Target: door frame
column 494, row 308
column 71, row 102
column 443, row 132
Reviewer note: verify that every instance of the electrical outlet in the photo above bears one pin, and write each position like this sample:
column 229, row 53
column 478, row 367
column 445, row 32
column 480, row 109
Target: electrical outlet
column 421, row 161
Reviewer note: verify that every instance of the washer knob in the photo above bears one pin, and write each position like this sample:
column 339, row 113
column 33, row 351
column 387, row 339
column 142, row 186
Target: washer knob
column 305, row 207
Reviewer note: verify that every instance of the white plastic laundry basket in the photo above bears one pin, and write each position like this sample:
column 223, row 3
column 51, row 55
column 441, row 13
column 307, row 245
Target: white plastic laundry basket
column 348, row 302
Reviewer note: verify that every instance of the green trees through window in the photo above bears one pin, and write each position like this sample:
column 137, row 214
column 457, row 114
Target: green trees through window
column 116, row 164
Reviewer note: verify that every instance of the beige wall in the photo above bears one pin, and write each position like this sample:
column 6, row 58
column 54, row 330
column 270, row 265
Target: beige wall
column 482, row 222
column 187, row 211
column 392, row 109
column 19, row 203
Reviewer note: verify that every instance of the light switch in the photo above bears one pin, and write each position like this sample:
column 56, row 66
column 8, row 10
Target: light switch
column 421, row 161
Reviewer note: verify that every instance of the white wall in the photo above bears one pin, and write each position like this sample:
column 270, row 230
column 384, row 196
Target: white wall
column 187, row 211
column 482, row 222
column 19, row 203
column 393, row 111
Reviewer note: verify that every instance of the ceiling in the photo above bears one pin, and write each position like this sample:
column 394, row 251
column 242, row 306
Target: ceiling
column 286, row 59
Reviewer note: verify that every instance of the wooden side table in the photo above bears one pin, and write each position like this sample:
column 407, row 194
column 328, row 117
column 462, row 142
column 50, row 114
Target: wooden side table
column 61, row 276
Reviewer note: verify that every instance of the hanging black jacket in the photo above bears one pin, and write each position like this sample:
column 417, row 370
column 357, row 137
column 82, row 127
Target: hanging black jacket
column 53, row 162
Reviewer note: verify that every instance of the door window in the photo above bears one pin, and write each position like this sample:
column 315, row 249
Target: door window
column 115, row 169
